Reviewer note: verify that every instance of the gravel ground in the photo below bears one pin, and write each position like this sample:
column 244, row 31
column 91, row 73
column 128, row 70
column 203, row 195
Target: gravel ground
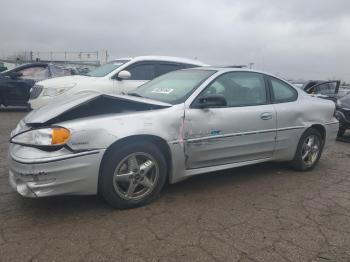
column 264, row 212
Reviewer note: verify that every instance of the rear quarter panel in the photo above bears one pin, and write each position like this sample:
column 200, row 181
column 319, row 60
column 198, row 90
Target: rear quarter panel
column 294, row 118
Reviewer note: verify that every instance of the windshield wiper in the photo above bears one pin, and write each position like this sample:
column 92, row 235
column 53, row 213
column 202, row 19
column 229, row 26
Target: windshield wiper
column 134, row 94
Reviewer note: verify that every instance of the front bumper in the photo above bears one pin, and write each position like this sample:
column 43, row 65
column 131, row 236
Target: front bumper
column 65, row 174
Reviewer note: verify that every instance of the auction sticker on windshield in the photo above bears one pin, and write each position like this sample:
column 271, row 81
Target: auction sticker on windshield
column 162, row 90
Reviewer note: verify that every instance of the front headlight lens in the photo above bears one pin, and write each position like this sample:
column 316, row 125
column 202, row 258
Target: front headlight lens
column 55, row 136
column 55, row 91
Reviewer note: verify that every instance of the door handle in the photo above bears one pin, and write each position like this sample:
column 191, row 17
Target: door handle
column 266, row 116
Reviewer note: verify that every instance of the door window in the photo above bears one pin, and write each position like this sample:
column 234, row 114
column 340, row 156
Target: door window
column 240, row 88
column 60, row 71
column 188, row 66
column 36, row 73
column 282, row 92
column 142, row 72
column 166, row 68
column 326, row 88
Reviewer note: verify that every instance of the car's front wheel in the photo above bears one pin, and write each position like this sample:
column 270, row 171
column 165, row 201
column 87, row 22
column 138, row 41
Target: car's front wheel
column 132, row 175
column 309, row 150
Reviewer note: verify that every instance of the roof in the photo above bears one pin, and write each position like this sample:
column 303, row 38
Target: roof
column 32, row 64
column 165, row 58
column 230, row 69
column 235, row 69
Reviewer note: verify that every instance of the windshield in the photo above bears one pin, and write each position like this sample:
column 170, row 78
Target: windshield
column 107, row 68
column 174, row 87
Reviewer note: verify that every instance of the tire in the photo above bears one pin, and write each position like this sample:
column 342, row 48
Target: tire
column 341, row 132
column 302, row 163
column 127, row 183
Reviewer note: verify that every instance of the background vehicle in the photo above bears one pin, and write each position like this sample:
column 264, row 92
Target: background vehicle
column 39, row 71
column 14, row 91
column 181, row 124
column 15, row 84
column 325, row 89
column 343, row 114
column 2, row 67
column 298, row 84
column 331, row 90
column 119, row 76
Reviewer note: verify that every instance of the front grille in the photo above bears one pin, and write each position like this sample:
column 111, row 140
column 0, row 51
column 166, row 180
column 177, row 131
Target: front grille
column 35, row 91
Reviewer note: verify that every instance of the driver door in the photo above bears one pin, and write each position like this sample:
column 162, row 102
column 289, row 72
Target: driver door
column 243, row 130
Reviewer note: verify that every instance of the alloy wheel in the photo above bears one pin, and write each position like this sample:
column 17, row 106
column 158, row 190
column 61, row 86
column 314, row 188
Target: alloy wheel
column 310, row 150
column 136, row 176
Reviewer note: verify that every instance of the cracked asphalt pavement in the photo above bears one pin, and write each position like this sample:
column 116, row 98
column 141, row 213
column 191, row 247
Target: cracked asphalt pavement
column 265, row 212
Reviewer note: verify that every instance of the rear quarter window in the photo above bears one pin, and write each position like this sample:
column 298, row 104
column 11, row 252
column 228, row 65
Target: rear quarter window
column 282, row 92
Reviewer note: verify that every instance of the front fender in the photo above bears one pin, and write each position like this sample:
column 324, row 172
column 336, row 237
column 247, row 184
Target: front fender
column 103, row 130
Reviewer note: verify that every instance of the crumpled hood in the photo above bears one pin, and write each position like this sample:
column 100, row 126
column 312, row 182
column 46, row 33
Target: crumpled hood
column 66, row 80
column 93, row 104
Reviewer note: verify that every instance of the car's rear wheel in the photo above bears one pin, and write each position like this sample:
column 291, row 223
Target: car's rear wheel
column 309, row 150
column 132, row 175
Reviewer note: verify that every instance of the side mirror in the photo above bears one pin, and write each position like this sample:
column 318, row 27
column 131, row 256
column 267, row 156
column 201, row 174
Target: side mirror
column 214, row 100
column 15, row 75
column 123, row 75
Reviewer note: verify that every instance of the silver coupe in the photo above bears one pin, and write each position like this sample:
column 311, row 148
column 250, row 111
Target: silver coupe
column 184, row 123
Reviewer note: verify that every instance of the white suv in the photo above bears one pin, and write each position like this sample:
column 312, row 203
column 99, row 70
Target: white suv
column 117, row 77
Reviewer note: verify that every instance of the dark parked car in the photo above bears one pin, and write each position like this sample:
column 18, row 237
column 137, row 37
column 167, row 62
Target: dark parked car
column 343, row 114
column 339, row 94
column 15, row 84
column 325, row 89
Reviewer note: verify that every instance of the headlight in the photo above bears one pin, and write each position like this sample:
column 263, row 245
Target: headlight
column 55, row 91
column 339, row 103
column 55, row 136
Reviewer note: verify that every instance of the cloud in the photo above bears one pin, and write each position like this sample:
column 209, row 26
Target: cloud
column 299, row 39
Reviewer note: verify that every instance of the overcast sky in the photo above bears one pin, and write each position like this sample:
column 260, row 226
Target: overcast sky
column 298, row 39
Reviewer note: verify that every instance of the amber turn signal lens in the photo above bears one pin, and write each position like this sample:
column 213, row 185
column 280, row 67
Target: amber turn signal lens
column 60, row 136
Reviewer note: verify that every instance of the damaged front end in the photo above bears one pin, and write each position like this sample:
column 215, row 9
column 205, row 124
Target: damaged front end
column 43, row 129
column 57, row 149
column 59, row 173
